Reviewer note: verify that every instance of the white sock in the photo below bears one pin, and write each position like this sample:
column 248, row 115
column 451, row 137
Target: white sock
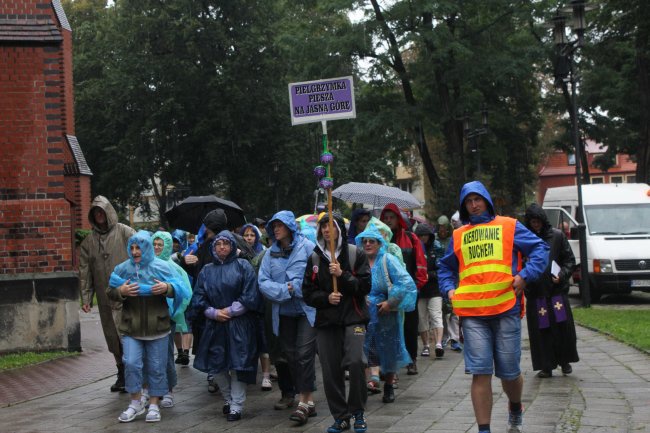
column 266, row 375
column 305, row 405
column 153, row 406
column 135, row 403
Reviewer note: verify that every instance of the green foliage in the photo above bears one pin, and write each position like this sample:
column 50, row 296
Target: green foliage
column 629, row 326
column 24, row 359
column 80, row 235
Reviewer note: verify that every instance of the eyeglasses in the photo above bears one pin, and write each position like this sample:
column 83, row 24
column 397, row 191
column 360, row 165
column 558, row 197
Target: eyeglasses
column 368, row 241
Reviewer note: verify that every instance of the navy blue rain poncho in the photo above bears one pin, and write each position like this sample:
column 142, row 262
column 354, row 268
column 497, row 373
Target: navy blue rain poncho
column 230, row 345
column 149, row 269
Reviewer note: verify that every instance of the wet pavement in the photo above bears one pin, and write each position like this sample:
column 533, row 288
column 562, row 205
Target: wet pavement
column 609, row 391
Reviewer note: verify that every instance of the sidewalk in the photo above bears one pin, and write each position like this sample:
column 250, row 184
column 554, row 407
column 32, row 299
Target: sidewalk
column 609, row 391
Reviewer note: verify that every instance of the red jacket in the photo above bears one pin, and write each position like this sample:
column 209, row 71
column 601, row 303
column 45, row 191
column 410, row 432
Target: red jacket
column 416, row 261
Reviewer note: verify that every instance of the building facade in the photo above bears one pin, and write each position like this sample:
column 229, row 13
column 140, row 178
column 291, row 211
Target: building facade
column 44, row 180
column 559, row 169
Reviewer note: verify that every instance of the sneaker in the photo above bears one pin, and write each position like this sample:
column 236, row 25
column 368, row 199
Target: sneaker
column 179, row 357
column 412, row 369
column 425, row 351
column 212, row 385
column 566, row 369
column 516, row 421
column 300, row 415
column 360, row 425
column 233, row 416
column 131, row 412
column 543, row 374
column 185, row 358
column 440, row 352
column 455, row 346
column 153, row 415
column 339, row 426
column 284, row 403
column 266, row 384
column 167, row 401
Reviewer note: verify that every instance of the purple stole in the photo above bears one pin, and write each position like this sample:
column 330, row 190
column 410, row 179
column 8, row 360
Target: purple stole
column 543, row 311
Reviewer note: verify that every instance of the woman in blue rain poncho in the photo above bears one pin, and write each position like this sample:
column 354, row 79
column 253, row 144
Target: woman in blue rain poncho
column 226, row 294
column 163, row 248
column 142, row 284
column 393, row 292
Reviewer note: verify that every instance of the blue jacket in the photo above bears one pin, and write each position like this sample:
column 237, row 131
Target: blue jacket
column 280, row 267
column 230, row 345
column 525, row 242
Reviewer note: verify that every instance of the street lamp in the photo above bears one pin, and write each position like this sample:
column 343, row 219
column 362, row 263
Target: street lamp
column 471, row 135
column 565, row 71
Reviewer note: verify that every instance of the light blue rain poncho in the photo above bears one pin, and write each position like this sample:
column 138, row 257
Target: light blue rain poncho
column 281, row 266
column 149, row 269
column 177, row 316
column 385, row 334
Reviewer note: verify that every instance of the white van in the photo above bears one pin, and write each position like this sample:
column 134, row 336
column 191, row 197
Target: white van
column 618, row 233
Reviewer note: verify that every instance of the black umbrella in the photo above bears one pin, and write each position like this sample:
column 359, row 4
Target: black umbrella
column 188, row 214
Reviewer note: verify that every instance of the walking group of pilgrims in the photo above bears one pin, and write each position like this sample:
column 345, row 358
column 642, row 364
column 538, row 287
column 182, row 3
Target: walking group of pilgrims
column 360, row 295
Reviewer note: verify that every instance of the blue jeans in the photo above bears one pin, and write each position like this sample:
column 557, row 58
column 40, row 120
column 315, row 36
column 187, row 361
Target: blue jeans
column 150, row 353
column 493, row 345
column 232, row 390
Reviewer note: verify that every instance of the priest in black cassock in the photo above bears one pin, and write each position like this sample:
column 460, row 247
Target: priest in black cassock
column 551, row 329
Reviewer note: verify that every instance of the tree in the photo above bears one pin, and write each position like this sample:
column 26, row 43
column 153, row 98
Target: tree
column 616, row 90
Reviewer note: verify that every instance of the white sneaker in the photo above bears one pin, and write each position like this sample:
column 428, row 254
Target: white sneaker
column 131, row 412
column 266, row 384
column 167, row 400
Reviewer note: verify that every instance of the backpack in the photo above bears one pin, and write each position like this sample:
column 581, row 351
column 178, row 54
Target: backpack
column 352, row 257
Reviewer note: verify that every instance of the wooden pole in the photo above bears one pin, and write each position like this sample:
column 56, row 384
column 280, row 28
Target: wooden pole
column 330, row 223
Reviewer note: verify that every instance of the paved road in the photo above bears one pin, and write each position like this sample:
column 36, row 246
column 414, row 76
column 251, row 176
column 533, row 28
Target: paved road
column 609, row 391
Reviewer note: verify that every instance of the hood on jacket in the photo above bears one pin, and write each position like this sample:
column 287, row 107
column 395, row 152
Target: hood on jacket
column 168, row 243
column 257, row 246
column 356, row 214
column 216, row 220
column 111, row 216
column 180, row 236
column 474, row 187
column 371, row 231
column 287, row 218
column 384, row 230
column 143, row 239
column 224, row 235
column 536, row 211
column 339, row 224
column 392, row 207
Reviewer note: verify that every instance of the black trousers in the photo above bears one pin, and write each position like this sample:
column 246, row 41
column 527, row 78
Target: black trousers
column 411, row 333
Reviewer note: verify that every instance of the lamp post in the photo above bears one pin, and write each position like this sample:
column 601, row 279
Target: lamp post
column 565, row 71
column 471, row 135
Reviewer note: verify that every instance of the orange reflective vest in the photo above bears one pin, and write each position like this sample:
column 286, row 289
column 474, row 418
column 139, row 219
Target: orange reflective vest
column 484, row 253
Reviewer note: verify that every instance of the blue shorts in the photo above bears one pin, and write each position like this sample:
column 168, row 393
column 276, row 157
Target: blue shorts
column 492, row 345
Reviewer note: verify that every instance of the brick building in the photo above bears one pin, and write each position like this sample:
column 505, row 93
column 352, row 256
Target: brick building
column 559, row 169
column 44, row 179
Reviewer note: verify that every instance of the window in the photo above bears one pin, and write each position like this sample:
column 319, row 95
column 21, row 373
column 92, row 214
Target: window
column 630, row 178
column 616, row 179
column 405, row 185
column 571, row 159
column 597, row 179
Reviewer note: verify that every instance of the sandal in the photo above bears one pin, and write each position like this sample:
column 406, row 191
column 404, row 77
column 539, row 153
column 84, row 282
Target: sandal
column 374, row 385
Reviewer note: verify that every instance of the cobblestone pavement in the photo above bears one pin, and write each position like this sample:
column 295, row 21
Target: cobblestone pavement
column 609, row 392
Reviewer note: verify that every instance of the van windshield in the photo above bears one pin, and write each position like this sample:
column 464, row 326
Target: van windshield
column 620, row 219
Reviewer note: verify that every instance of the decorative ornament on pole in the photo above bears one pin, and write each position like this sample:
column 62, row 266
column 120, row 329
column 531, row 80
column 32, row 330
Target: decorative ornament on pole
column 320, row 101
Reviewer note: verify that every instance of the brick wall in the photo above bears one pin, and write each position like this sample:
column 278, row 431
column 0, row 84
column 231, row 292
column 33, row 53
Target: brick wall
column 36, row 221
